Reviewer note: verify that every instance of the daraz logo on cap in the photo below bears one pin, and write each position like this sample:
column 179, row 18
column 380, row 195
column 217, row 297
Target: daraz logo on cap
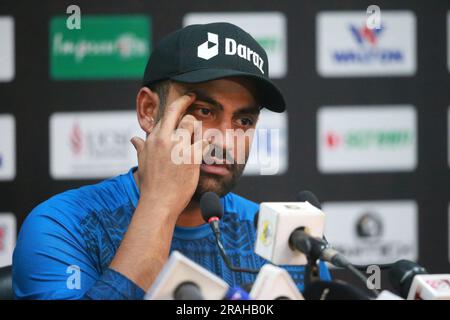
column 206, row 51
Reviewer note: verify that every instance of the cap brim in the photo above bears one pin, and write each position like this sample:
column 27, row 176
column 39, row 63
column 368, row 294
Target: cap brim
column 268, row 93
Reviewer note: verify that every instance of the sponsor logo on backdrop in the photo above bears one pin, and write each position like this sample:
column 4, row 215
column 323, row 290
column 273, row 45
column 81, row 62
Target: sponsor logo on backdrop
column 268, row 28
column 369, row 226
column 373, row 232
column 7, row 68
column 366, row 139
column 7, row 238
column 92, row 144
column 106, row 47
column 269, row 152
column 7, row 147
column 347, row 47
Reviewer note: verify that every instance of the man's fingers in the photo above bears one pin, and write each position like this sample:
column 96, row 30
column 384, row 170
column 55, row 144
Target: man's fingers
column 173, row 113
column 188, row 122
column 138, row 144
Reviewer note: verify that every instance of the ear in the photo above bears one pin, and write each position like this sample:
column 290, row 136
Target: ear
column 147, row 106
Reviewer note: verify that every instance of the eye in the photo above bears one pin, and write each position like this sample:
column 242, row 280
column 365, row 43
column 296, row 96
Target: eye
column 204, row 111
column 246, row 122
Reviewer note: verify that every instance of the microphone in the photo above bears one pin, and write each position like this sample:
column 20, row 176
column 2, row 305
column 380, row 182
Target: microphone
column 183, row 279
column 413, row 282
column 290, row 233
column 188, row 291
column 327, row 290
column 402, row 273
column 274, row 283
column 316, row 248
column 301, row 197
column 212, row 212
column 312, row 199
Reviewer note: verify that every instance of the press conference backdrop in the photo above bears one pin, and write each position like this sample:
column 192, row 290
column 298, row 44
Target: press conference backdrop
column 367, row 125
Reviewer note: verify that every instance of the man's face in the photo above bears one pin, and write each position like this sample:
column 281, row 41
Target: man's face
column 228, row 111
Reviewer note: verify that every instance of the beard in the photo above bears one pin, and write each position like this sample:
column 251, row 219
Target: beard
column 220, row 185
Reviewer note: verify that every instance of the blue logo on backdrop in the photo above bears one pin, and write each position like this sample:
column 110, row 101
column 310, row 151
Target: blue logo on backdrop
column 369, row 50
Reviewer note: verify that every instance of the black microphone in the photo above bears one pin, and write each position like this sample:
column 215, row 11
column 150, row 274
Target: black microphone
column 310, row 197
column 326, row 290
column 188, row 291
column 212, row 212
column 313, row 200
column 401, row 275
column 316, row 248
column 320, row 247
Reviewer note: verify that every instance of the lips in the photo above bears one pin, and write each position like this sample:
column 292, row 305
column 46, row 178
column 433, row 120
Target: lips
column 218, row 169
column 215, row 168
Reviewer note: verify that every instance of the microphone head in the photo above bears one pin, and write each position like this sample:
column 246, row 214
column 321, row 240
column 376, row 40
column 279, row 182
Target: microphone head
column 210, row 206
column 188, row 291
column 310, row 197
column 327, row 290
column 402, row 274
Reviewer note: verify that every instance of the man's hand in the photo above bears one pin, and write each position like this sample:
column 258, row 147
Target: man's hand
column 162, row 182
column 166, row 189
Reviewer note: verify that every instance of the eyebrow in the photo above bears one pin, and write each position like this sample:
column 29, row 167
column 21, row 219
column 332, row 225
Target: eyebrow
column 202, row 96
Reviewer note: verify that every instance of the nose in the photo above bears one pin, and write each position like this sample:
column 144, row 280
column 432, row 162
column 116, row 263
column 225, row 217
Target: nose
column 226, row 128
column 220, row 134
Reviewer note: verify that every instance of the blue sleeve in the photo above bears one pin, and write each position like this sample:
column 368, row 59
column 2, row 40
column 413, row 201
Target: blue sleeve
column 50, row 261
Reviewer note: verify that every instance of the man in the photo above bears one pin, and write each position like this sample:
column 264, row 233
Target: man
column 110, row 240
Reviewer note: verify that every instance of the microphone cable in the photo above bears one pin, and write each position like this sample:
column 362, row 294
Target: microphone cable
column 212, row 212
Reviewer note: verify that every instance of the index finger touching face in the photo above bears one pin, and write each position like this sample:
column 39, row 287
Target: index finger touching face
column 174, row 111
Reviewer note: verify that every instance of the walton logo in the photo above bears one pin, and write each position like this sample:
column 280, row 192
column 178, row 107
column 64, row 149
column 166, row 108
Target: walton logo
column 369, row 50
column 366, row 35
column 210, row 49
column 204, row 50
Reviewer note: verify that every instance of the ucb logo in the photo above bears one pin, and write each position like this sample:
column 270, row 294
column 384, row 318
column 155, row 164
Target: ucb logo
column 210, row 48
column 205, row 51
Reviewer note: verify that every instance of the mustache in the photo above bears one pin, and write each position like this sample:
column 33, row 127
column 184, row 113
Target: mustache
column 218, row 155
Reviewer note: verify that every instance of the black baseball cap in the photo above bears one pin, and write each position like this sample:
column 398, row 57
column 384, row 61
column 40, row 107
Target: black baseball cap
column 205, row 52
